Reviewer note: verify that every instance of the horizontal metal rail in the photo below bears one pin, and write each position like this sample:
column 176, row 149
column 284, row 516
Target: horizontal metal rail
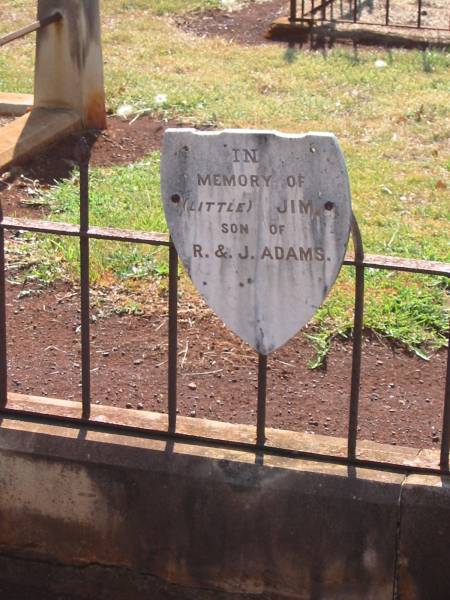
column 97, row 233
column 396, row 263
column 371, row 261
column 10, row 37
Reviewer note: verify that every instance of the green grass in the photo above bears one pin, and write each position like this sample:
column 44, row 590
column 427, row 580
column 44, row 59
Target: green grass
column 404, row 307
column 124, row 197
column 393, row 124
column 410, row 309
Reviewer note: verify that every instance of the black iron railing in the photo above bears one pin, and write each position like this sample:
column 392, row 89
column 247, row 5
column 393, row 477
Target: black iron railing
column 85, row 233
column 35, row 26
column 313, row 12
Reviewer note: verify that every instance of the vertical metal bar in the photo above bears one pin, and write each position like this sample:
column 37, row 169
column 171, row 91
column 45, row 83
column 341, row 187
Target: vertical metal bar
column 419, row 14
column 445, row 443
column 3, row 342
column 262, row 394
column 83, row 157
column 357, row 340
column 355, row 11
column 388, row 10
column 293, row 11
column 323, row 11
column 173, row 338
column 303, row 11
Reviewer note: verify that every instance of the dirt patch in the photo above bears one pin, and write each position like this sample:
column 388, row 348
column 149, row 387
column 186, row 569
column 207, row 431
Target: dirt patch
column 401, row 395
column 123, row 142
column 246, row 26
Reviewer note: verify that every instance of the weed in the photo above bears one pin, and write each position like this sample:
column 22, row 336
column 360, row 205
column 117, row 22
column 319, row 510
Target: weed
column 129, row 307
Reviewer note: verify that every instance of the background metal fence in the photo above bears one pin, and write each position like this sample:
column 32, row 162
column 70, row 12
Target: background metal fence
column 85, row 233
column 403, row 14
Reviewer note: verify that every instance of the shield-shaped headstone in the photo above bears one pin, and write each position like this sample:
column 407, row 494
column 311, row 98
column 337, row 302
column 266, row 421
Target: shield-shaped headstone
column 261, row 222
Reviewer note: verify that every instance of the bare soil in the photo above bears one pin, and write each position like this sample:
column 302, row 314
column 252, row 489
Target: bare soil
column 124, row 142
column 246, row 26
column 401, row 395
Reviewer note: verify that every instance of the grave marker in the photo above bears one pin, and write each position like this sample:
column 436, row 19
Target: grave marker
column 261, row 222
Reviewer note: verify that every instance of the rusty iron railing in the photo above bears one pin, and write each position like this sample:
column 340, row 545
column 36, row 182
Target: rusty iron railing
column 35, row 26
column 316, row 12
column 85, row 233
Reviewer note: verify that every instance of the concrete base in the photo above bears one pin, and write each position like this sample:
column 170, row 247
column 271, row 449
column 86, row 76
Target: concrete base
column 15, row 105
column 85, row 511
column 28, row 134
column 424, row 548
column 372, row 35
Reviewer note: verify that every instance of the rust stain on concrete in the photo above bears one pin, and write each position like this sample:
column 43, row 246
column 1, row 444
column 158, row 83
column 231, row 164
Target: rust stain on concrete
column 69, row 65
column 95, row 113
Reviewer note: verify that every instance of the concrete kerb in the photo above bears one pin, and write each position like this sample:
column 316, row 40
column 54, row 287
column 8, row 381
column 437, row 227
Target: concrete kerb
column 15, row 105
column 182, row 517
column 424, row 548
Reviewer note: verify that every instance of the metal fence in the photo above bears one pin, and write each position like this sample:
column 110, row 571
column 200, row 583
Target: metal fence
column 402, row 14
column 85, row 233
column 32, row 27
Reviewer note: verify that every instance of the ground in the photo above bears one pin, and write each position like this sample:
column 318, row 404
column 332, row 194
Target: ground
column 401, row 397
column 247, row 26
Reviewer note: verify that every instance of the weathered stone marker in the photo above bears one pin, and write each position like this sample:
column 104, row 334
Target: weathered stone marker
column 261, row 222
